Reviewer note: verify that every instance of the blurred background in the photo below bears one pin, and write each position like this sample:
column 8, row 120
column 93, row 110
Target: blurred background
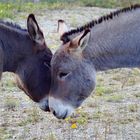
column 9, row 8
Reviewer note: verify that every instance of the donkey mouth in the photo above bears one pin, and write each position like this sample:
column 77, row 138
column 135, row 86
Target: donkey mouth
column 60, row 108
column 47, row 109
column 44, row 105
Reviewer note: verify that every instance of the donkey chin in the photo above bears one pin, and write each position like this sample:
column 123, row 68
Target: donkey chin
column 60, row 108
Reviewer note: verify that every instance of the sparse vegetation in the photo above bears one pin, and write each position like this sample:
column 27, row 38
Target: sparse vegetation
column 97, row 115
column 11, row 103
column 137, row 95
column 80, row 117
column 114, row 98
column 32, row 118
column 101, row 90
column 126, row 120
column 133, row 108
column 51, row 136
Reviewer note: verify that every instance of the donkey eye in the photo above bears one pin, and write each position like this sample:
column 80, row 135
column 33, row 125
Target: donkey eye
column 63, row 74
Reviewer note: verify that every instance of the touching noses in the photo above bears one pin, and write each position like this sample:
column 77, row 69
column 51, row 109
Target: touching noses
column 59, row 108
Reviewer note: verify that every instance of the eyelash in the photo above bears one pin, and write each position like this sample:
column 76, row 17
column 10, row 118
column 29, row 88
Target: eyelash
column 62, row 74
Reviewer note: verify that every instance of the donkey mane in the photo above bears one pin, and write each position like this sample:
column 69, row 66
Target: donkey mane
column 12, row 25
column 66, row 36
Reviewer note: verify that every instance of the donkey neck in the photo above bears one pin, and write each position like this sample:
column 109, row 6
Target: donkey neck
column 115, row 43
column 16, row 45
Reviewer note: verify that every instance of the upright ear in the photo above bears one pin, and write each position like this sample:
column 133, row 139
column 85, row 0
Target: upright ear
column 62, row 27
column 34, row 31
column 80, row 42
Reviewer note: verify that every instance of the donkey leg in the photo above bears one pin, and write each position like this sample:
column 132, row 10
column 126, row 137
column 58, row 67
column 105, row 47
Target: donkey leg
column 1, row 62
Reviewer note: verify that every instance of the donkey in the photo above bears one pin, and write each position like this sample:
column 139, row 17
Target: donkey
column 112, row 41
column 25, row 53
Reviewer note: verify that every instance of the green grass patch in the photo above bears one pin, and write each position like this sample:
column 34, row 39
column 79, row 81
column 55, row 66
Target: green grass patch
column 80, row 118
column 4, row 135
column 114, row 98
column 8, row 80
column 10, row 10
column 11, row 103
column 101, row 90
column 108, row 3
column 6, row 10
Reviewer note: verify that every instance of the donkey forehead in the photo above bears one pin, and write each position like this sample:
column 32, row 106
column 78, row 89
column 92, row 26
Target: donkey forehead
column 64, row 54
column 59, row 56
column 63, row 59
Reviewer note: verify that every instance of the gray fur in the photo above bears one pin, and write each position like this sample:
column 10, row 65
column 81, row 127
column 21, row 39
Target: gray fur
column 1, row 61
column 113, row 43
column 28, row 58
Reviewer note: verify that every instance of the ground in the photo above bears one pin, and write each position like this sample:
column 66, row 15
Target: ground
column 112, row 112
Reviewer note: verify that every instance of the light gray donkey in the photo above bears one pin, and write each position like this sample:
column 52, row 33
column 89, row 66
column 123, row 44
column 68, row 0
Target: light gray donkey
column 112, row 41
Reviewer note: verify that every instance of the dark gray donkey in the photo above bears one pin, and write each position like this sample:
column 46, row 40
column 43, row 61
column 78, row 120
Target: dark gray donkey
column 112, row 41
column 25, row 53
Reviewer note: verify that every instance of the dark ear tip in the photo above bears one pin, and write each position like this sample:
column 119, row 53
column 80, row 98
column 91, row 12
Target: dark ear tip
column 31, row 16
column 61, row 21
column 87, row 30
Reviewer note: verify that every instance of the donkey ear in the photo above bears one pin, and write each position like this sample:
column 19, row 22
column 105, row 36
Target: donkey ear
column 80, row 42
column 62, row 27
column 34, row 31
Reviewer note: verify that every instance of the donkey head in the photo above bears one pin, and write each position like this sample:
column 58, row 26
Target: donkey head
column 33, row 72
column 73, row 76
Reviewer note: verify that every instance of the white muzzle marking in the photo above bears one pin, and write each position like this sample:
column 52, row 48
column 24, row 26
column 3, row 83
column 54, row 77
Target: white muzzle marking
column 61, row 108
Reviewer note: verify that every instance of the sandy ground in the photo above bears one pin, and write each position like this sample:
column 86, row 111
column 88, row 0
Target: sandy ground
column 112, row 112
